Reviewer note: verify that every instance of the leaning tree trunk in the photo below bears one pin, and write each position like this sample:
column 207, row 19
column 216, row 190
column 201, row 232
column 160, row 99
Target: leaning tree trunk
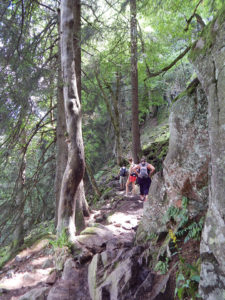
column 81, row 202
column 75, row 164
column 136, row 144
column 92, row 180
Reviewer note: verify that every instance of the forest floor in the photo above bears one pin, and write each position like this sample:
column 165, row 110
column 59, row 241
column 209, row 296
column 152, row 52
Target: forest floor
column 34, row 267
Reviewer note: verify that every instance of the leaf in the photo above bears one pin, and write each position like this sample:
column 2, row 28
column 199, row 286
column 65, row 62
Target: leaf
column 195, row 278
column 180, row 277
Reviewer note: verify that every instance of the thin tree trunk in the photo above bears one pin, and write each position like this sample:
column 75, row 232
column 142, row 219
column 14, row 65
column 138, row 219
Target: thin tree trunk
column 92, row 180
column 113, row 116
column 136, row 144
column 61, row 145
column 18, row 234
column 75, row 164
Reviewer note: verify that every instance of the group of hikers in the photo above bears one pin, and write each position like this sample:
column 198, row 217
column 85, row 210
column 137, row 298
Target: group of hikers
column 136, row 174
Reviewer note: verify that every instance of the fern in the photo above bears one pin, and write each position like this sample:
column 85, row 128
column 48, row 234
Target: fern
column 194, row 230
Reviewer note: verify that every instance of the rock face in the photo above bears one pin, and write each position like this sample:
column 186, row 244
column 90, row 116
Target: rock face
column 123, row 275
column 210, row 68
column 185, row 171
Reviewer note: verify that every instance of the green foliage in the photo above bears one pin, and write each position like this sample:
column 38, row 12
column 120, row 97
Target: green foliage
column 187, row 280
column 62, row 241
column 162, row 266
column 5, row 255
column 177, row 214
column 151, row 236
column 192, row 231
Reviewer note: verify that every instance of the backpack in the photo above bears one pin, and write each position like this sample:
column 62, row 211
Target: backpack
column 143, row 171
column 132, row 173
column 123, row 172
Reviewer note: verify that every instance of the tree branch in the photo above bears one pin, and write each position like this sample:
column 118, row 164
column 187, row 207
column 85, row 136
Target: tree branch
column 192, row 16
column 44, row 5
column 169, row 66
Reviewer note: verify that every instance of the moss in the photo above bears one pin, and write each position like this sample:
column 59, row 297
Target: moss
column 189, row 90
column 207, row 37
column 5, row 255
column 88, row 230
column 157, row 151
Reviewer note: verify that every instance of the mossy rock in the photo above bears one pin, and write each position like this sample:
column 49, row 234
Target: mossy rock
column 207, row 37
column 156, row 152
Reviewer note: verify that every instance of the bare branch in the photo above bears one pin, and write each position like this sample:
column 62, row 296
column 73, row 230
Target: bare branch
column 44, row 5
column 192, row 16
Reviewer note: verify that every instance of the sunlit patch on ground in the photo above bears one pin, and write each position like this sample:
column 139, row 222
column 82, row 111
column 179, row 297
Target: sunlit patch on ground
column 24, row 279
column 31, row 271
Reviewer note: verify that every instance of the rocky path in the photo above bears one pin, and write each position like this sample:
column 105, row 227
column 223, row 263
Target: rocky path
column 34, row 270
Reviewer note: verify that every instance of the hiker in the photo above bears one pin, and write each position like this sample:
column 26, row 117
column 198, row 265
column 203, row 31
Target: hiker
column 132, row 176
column 122, row 173
column 145, row 171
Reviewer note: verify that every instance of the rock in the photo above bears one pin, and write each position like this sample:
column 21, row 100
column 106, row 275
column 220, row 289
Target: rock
column 10, row 274
column 47, row 264
column 36, row 294
column 185, row 168
column 209, row 65
column 52, row 278
column 28, row 278
column 84, row 256
column 118, row 275
column 30, row 268
column 60, row 257
column 95, row 237
column 18, row 258
column 73, row 284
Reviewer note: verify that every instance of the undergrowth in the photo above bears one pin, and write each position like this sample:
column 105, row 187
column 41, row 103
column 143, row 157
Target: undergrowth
column 187, row 275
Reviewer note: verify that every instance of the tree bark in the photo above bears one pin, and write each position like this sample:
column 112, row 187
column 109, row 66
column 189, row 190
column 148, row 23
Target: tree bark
column 82, row 206
column 136, row 144
column 75, row 164
column 18, row 234
column 61, row 145
column 92, row 180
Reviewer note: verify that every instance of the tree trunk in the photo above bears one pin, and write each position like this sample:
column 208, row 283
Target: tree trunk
column 18, row 234
column 82, row 206
column 75, row 164
column 92, row 180
column 61, row 145
column 113, row 116
column 117, row 118
column 136, row 144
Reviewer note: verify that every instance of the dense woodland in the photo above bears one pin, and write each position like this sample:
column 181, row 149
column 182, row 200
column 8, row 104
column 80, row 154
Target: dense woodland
column 78, row 81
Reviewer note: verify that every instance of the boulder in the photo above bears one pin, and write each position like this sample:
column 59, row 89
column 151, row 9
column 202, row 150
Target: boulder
column 95, row 237
column 36, row 294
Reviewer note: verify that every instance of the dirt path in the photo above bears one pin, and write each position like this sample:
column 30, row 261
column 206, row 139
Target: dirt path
column 32, row 267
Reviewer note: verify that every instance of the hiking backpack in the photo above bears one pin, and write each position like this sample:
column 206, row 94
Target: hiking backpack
column 123, row 172
column 143, row 171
